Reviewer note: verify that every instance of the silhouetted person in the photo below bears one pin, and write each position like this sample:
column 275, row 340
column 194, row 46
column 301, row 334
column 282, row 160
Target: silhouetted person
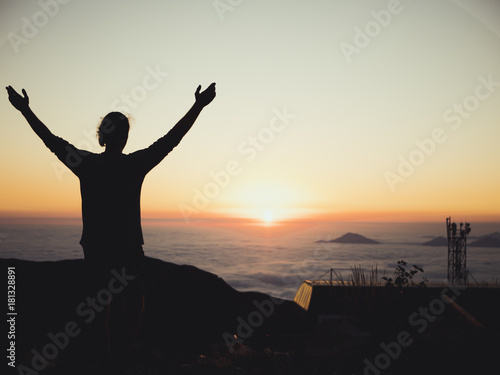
column 110, row 185
column 110, row 182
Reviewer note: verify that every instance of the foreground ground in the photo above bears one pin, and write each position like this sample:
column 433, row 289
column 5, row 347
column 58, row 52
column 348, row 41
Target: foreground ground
column 69, row 324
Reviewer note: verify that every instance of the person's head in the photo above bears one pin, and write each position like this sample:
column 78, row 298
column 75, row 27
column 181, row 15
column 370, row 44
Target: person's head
column 113, row 131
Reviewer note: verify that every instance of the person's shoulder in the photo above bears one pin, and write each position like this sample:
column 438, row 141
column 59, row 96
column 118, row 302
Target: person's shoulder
column 88, row 153
column 91, row 157
column 138, row 160
column 61, row 143
column 136, row 154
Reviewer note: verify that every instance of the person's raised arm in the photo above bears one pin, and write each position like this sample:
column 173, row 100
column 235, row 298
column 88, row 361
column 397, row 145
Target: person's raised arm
column 21, row 103
column 158, row 150
column 65, row 152
column 184, row 124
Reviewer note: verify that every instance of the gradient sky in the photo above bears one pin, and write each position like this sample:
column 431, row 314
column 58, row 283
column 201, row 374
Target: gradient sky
column 385, row 116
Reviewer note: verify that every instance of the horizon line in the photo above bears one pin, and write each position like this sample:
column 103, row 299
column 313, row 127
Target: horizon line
column 321, row 219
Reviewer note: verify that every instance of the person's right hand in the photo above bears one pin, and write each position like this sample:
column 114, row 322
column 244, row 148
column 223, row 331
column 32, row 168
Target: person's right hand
column 205, row 97
column 19, row 102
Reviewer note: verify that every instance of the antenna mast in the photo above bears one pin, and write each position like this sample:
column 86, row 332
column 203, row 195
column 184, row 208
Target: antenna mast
column 457, row 252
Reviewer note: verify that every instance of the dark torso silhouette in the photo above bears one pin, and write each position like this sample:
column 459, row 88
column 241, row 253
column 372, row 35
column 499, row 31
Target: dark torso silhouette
column 110, row 186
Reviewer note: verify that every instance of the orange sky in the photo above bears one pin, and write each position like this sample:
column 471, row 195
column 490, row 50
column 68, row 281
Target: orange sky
column 405, row 128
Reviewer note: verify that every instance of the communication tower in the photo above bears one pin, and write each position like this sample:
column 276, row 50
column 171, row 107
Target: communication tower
column 457, row 252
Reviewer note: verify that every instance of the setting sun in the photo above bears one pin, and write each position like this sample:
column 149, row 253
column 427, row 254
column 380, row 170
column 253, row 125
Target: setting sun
column 268, row 216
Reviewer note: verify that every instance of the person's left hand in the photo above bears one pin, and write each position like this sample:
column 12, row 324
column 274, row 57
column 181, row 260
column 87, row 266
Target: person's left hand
column 204, row 98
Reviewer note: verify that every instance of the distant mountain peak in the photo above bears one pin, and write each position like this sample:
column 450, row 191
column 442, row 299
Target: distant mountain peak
column 495, row 234
column 351, row 238
column 437, row 241
column 487, row 241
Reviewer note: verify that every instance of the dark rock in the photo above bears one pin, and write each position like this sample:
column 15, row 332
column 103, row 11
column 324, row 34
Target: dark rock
column 185, row 310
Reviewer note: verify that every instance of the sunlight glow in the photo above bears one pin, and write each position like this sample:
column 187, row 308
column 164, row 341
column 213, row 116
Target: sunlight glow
column 268, row 216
